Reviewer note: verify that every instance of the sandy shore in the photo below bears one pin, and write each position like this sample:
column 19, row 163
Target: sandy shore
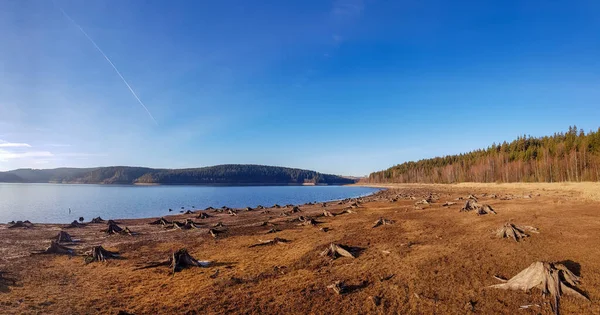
column 433, row 259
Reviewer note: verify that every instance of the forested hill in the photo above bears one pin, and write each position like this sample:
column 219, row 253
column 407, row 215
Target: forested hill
column 220, row 174
column 570, row 156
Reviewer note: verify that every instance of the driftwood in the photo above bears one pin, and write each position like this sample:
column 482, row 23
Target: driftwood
column 382, row 221
column 98, row 253
column 334, row 251
column 161, row 221
column 274, row 241
column 56, row 248
column 22, row 224
column 515, row 232
column 178, row 261
column 553, row 279
column 63, row 237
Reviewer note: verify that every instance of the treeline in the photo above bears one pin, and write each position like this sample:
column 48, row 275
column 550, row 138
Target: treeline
column 221, row 174
column 570, row 156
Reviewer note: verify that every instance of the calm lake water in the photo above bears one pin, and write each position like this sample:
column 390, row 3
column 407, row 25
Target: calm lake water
column 50, row 203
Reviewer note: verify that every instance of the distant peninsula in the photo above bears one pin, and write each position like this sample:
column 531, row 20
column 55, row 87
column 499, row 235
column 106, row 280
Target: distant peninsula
column 229, row 174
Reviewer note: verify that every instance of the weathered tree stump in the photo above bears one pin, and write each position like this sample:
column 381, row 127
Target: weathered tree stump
column 553, row 279
column 178, row 261
column 98, row 253
column 327, row 214
column 97, row 220
column 215, row 233
column 5, row 280
column 203, row 215
column 334, row 251
column 187, row 224
column 161, row 221
column 75, row 224
column 338, row 287
column 274, row 241
column 21, row 224
column 63, row 237
column 57, row 249
column 515, row 232
column 485, row 209
column 383, row 221
column 113, row 229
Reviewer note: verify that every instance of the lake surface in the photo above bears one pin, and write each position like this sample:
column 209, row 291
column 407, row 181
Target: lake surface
column 50, row 203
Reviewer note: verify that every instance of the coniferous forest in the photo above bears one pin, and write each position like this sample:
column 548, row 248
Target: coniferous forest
column 230, row 174
column 570, row 156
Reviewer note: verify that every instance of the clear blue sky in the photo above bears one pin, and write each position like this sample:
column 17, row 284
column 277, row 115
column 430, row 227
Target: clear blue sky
column 345, row 87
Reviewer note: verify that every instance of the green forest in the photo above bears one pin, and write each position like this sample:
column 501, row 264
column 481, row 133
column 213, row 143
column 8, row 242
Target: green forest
column 230, row 174
column 570, row 156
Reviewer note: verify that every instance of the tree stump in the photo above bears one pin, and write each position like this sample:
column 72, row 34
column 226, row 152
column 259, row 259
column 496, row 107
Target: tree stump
column 57, row 249
column 553, row 279
column 98, row 253
column 334, row 251
column 383, row 221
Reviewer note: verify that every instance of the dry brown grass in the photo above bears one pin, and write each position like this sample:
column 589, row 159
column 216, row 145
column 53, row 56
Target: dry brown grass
column 435, row 260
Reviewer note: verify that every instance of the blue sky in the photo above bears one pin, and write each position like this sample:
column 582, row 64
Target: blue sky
column 345, row 87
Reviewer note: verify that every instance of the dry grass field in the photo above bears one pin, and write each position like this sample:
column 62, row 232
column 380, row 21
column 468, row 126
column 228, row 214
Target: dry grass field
column 432, row 260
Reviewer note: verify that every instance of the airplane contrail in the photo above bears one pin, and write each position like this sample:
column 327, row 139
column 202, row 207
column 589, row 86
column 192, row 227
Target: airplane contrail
column 109, row 61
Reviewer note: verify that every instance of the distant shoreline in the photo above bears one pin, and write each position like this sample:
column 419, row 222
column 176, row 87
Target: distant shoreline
column 187, row 184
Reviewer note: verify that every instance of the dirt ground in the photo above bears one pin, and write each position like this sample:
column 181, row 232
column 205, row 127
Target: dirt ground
column 432, row 260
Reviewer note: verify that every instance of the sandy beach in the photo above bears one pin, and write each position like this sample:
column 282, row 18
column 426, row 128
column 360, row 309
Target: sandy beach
column 430, row 259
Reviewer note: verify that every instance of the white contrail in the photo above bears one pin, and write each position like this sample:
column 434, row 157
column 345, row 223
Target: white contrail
column 110, row 62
